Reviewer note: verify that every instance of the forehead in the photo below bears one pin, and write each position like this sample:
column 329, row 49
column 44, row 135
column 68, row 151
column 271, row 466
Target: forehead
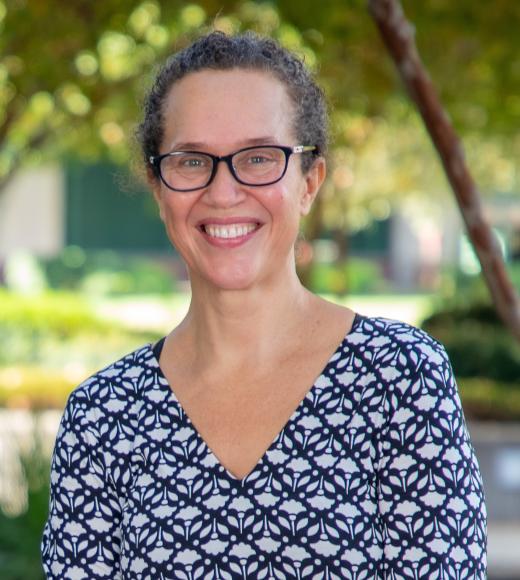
column 227, row 108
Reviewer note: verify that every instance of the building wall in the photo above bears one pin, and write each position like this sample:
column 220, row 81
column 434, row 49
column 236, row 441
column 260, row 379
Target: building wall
column 32, row 213
column 404, row 253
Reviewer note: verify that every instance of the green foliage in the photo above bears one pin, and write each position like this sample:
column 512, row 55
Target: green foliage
column 36, row 387
column 107, row 273
column 514, row 274
column 50, row 329
column 20, row 535
column 108, row 50
column 476, row 341
column 60, row 313
column 487, row 400
column 353, row 276
column 89, row 106
column 51, row 343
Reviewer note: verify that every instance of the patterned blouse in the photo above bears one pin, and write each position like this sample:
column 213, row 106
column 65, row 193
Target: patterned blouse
column 373, row 476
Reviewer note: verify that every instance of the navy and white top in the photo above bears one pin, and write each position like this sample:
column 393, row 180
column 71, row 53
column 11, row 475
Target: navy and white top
column 373, row 476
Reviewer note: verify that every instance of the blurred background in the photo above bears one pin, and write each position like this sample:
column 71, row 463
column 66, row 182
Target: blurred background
column 87, row 273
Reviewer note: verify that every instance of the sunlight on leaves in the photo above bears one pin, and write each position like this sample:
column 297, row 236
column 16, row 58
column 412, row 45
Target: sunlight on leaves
column 42, row 104
column 157, row 36
column 111, row 133
column 226, row 24
column 86, row 63
column 193, row 16
column 74, row 100
column 117, row 53
column 264, row 16
column 145, row 15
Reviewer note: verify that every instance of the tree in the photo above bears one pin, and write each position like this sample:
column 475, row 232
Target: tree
column 71, row 74
column 397, row 34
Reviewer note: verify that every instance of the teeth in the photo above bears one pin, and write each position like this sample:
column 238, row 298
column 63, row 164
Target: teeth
column 230, row 231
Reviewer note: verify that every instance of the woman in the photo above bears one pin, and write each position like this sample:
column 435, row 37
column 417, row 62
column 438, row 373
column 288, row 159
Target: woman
column 271, row 434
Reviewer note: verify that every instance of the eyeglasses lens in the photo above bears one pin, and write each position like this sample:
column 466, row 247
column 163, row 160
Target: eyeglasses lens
column 258, row 166
column 186, row 170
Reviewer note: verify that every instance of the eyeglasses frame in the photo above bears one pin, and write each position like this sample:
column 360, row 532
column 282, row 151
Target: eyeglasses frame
column 155, row 162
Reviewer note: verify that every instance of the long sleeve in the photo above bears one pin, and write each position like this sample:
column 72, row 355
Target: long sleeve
column 431, row 499
column 81, row 539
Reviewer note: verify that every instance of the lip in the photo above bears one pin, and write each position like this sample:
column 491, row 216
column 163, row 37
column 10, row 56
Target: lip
column 228, row 242
column 225, row 221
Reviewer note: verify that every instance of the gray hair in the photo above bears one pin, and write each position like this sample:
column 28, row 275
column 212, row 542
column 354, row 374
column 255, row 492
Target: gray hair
column 218, row 51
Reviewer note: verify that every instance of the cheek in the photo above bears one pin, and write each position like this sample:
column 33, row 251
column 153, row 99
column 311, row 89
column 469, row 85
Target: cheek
column 174, row 209
column 282, row 202
column 172, row 217
column 284, row 207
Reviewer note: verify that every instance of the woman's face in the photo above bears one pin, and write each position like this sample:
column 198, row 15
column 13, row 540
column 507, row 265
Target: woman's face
column 231, row 235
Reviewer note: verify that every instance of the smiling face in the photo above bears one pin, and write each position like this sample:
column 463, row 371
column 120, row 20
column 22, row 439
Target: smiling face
column 233, row 236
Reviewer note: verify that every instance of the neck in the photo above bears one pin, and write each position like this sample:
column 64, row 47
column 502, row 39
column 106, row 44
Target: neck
column 235, row 327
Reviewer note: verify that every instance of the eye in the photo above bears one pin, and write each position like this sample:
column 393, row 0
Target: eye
column 258, row 159
column 187, row 163
column 192, row 162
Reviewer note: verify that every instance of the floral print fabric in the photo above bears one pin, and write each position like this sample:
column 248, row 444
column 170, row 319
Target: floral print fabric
column 373, row 476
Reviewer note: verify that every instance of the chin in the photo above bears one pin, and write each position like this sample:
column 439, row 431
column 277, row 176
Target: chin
column 228, row 279
column 232, row 282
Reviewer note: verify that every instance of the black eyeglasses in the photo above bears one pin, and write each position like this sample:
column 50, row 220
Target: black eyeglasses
column 256, row 166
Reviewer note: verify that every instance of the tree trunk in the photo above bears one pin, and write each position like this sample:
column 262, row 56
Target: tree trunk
column 398, row 36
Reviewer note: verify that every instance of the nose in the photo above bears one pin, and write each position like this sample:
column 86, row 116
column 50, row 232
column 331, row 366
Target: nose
column 224, row 190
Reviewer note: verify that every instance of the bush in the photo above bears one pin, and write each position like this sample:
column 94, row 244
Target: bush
column 61, row 313
column 31, row 387
column 107, row 273
column 355, row 276
column 476, row 341
column 484, row 399
column 49, row 329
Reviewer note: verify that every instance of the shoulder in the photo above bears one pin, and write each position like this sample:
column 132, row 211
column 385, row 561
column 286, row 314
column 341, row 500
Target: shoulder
column 122, row 381
column 112, row 396
column 101, row 417
column 396, row 342
column 404, row 362
column 411, row 368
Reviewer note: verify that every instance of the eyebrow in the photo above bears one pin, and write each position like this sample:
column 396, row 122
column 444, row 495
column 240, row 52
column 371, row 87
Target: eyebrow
column 200, row 146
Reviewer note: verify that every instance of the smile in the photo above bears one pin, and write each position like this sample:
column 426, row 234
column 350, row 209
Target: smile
column 229, row 231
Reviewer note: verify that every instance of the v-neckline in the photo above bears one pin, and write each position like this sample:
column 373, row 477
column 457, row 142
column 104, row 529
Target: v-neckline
column 308, row 395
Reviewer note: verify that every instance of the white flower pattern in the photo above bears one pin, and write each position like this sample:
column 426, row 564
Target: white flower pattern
column 373, row 476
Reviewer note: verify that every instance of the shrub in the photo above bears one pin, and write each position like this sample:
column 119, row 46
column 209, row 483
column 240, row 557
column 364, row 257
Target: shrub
column 476, row 341
column 49, row 329
column 107, row 273
column 36, row 387
column 355, row 276
column 484, row 399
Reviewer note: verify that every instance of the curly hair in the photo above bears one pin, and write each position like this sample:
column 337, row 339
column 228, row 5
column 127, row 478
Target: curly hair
column 218, row 51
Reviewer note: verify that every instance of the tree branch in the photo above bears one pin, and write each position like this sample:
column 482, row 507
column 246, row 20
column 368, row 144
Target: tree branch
column 398, row 36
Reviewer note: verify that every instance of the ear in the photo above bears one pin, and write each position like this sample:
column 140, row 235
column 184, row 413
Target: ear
column 313, row 181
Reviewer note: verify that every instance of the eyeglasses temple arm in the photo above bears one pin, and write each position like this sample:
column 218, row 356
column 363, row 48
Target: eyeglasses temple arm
column 303, row 148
